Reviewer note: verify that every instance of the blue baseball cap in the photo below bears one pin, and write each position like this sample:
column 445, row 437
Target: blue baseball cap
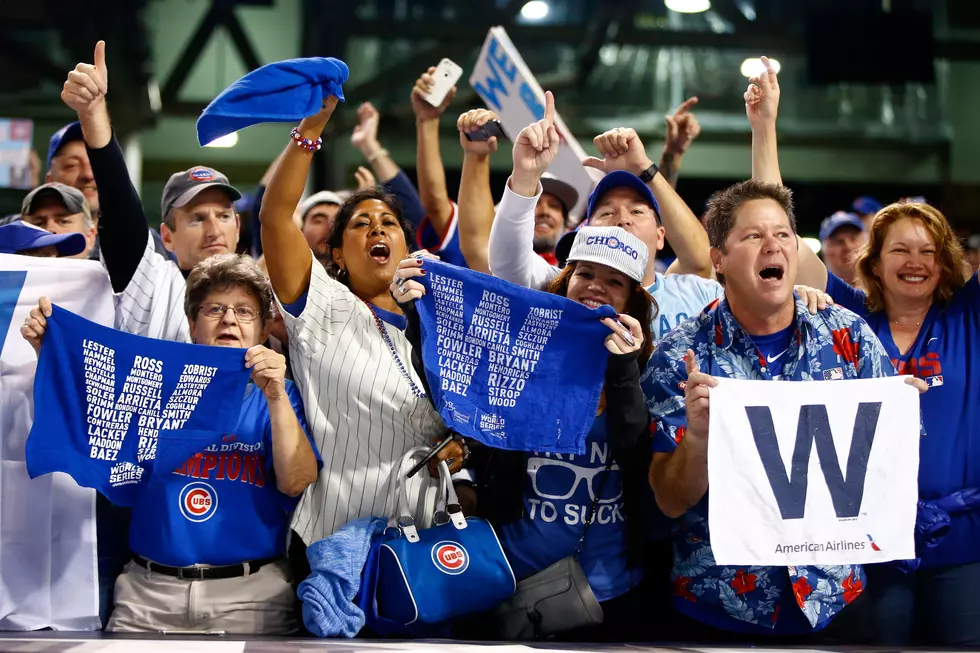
column 866, row 205
column 838, row 220
column 19, row 236
column 68, row 133
column 615, row 179
column 619, row 179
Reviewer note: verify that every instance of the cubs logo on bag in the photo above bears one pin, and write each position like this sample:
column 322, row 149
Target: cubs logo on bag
column 450, row 558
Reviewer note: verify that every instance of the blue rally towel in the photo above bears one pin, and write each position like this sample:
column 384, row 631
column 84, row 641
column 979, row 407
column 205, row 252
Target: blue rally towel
column 285, row 91
column 111, row 409
column 514, row 368
column 336, row 564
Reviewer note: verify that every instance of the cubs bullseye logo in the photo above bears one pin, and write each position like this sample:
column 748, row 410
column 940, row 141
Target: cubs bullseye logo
column 198, row 502
column 202, row 174
column 612, row 243
column 450, row 558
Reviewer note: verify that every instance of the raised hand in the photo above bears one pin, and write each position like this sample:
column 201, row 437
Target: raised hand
column 762, row 97
column 365, row 135
column 536, row 147
column 365, row 178
column 696, row 397
column 682, row 128
column 423, row 110
column 36, row 324
column 87, row 85
column 470, row 122
column 268, row 371
column 620, row 149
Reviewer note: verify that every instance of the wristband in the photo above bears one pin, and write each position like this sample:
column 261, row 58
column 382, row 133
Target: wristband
column 647, row 175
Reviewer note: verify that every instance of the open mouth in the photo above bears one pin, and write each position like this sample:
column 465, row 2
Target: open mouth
column 380, row 253
column 227, row 339
column 912, row 278
column 772, row 273
column 593, row 303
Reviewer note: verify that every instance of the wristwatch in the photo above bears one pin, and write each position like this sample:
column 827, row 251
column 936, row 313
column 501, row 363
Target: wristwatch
column 648, row 174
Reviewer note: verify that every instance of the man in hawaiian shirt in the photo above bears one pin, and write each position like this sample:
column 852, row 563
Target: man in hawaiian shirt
column 760, row 330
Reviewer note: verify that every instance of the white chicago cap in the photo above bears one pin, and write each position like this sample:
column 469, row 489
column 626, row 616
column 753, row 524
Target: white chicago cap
column 612, row 246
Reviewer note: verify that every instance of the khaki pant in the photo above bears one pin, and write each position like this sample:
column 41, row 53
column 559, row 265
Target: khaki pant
column 258, row 604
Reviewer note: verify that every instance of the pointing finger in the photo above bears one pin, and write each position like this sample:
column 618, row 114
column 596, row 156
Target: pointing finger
column 690, row 362
column 686, row 106
column 549, row 107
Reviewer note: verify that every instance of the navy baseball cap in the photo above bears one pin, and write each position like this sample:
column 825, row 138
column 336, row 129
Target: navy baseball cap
column 68, row 133
column 838, row 220
column 184, row 186
column 866, row 205
column 19, row 236
column 615, row 179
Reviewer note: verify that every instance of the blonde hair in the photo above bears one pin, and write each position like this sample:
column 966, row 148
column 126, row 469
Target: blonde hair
column 949, row 251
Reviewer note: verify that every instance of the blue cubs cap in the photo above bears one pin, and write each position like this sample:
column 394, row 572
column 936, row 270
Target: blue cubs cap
column 68, row 133
column 619, row 179
column 19, row 236
column 866, row 205
column 615, row 179
column 838, row 220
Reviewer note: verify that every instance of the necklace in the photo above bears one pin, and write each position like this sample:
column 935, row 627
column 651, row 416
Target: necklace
column 394, row 353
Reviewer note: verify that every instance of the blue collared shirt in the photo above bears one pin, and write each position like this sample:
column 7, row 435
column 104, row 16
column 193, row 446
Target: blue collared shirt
column 834, row 344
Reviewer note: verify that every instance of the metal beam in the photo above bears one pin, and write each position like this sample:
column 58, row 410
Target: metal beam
column 189, row 56
column 245, row 48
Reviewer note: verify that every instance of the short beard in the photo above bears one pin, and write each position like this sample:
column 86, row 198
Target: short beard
column 545, row 244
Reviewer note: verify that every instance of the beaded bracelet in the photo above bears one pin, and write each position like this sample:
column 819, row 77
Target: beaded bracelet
column 305, row 143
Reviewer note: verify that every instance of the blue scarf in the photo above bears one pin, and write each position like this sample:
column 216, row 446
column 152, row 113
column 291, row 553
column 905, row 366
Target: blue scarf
column 111, row 409
column 285, row 91
column 514, row 368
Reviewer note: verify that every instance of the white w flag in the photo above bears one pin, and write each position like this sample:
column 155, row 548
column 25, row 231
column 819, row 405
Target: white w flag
column 813, row 473
column 48, row 560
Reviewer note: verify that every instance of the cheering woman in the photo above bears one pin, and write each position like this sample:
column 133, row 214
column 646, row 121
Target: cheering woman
column 365, row 405
column 546, row 507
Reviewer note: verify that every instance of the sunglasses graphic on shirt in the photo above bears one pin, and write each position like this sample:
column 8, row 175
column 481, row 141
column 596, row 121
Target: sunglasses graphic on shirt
column 548, row 474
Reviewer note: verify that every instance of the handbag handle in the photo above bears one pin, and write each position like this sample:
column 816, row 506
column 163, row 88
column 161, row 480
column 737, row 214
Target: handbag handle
column 402, row 518
column 453, row 508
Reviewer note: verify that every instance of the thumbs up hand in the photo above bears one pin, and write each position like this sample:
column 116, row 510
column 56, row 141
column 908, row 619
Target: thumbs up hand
column 87, row 85
column 696, row 397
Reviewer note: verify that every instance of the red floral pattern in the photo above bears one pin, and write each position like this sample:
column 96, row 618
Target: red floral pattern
column 852, row 588
column 802, row 589
column 844, row 347
column 680, row 588
column 743, row 582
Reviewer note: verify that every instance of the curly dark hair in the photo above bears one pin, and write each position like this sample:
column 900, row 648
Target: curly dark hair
column 346, row 212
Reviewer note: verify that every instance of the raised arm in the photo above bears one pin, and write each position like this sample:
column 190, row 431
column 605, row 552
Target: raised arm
column 679, row 469
column 428, row 162
column 682, row 128
column 365, row 139
column 123, row 228
column 622, row 149
column 475, row 202
column 761, row 107
column 287, row 254
column 511, row 251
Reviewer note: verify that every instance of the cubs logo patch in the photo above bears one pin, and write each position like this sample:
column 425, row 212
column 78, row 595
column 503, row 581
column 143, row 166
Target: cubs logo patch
column 450, row 558
column 612, row 243
column 198, row 502
column 202, row 174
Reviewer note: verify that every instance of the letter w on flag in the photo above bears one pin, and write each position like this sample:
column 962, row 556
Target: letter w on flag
column 771, row 501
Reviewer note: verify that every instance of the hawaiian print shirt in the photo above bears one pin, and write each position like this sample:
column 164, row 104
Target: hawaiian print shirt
column 834, row 344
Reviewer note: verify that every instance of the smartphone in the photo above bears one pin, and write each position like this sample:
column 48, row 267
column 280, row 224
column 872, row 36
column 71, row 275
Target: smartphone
column 487, row 131
column 446, row 75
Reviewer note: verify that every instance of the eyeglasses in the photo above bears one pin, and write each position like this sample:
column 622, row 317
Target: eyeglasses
column 551, row 477
column 217, row 311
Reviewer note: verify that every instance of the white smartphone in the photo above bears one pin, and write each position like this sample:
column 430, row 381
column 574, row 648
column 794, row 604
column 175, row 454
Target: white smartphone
column 445, row 77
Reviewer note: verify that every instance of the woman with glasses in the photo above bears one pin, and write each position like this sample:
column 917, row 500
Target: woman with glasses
column 546, row 507
column 209, row 540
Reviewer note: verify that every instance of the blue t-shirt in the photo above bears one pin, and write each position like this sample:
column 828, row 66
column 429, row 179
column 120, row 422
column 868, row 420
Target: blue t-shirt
column 773, row 347
column 679, row 297
column 446, row 244
column 945, row 355
column 222, row 506
column 557, row 497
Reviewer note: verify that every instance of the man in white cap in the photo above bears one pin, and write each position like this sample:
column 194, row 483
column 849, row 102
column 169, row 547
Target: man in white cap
column 318, row 212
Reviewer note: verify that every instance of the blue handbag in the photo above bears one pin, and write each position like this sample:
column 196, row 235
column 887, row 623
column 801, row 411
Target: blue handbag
column 453, row 568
